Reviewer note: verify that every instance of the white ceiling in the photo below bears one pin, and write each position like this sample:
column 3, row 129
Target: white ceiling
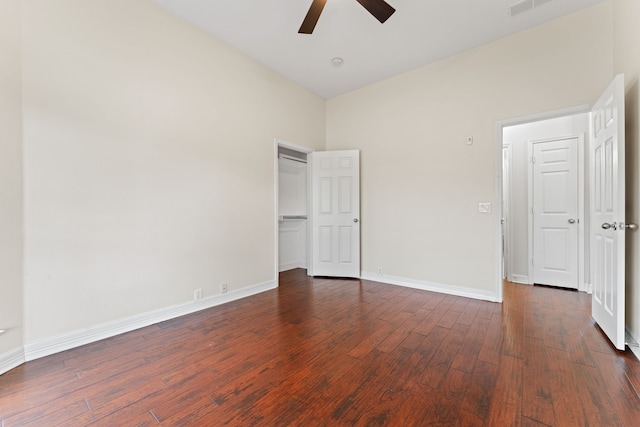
column 420, row 32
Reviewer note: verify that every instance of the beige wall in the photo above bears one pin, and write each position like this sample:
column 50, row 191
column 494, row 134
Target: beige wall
column 11, row 317
column 421, row 183
column 627, row 61
column 149, row 164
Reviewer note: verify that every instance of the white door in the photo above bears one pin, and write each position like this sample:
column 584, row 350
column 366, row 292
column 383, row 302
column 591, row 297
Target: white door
column 607, row 187
column 555, row 212
column 335, row 213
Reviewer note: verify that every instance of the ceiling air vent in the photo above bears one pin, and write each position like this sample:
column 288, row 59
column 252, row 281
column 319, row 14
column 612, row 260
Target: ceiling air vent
column 525, row 5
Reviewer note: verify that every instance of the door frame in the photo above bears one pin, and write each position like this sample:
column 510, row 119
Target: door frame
column 276, row 144
column 505, row 217
column 581, row 211
column 500, row 125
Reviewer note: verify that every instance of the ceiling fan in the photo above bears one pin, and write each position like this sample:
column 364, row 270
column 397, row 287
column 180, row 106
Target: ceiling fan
column 380, row 9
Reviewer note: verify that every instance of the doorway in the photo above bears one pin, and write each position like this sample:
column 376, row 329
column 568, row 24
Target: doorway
column 606, row 222
column 517, row 142
column 291, row 206
column 317, row 210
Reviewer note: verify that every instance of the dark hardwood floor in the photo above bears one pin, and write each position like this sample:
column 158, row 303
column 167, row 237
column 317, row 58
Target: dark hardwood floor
column 322, row 352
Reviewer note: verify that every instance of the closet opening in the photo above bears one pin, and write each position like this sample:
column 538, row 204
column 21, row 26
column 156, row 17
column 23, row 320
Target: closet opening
column 292, row 192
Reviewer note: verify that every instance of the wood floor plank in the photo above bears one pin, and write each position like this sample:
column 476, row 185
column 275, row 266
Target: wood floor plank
column 535, row 321
column 619, row 377
column 465, row 360
column 413, row 340
column 372, row 340
column 405, row 324
column 393, row 388
column 513, row 334
column 486, row 309
column 432, row 319
column 343, row 352
column 567, row 399
column 467, row 419
column 477, row 401
column 528, row 422
column 104, row 404
column 590, row 383
column 537, row 400
column 444, row 409
column 470, row 312
column 459, row 305
column 58, row 415
column 491, row 349
column 441, row 361
column 506, row 406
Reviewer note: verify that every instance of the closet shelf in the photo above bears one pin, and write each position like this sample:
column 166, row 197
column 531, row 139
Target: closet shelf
column 290, row 217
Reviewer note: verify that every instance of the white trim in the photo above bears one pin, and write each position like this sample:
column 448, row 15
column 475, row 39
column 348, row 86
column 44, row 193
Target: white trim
column 11, row 359
column 500, row 125
column 631, row 338
column 520, row 278
column 292, row 265
column 48, row 346
column 582, row 220
column 499, row 231
column 530, row 215
column 507, row 230
column 431, row 286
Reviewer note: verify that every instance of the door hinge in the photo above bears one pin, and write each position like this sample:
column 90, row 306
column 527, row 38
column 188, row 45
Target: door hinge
column 533, row 160
column 532, row 210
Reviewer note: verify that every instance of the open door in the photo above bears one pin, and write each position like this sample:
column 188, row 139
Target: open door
column 607, row 200
column 335, row 213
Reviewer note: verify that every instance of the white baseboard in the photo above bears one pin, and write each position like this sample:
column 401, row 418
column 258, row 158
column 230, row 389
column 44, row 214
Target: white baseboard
column 11, row 359
column 48, row 346
column 291, row 265
column 632, row 343
column 431, row 286
column 585, row 287
column 519, row 278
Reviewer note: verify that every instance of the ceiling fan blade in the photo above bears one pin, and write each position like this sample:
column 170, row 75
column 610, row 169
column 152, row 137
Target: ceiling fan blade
column 378, row 8
column 312, row 17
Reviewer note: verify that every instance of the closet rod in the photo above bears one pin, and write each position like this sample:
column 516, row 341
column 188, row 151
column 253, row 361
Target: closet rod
column 295, row 159
column 286, row 217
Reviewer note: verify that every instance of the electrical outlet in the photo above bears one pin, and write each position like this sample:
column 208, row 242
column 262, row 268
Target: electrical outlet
column 197, row 294
column 223, row 288
column 484, row 207
column 379, row 271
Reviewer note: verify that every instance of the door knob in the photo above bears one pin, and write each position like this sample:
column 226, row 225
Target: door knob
column 572, row 221
column 607, row 226
column 631, row 226
column 355, row 219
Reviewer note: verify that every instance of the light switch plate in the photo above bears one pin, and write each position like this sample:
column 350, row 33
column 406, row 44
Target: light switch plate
column 484, row 207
